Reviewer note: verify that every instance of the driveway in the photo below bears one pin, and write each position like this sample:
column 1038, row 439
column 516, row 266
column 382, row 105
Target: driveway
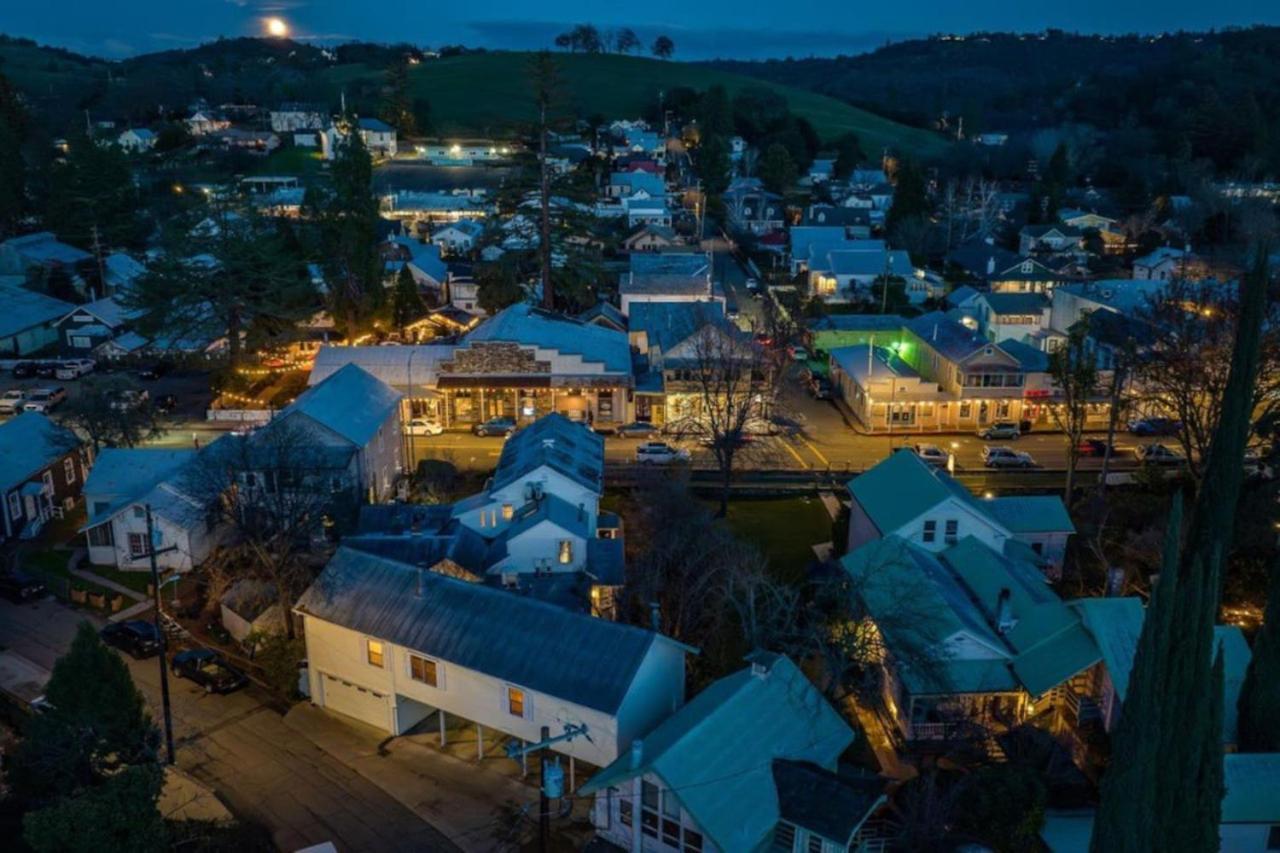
column 241, row 748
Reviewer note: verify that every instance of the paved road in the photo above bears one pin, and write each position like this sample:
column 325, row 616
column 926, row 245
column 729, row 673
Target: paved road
column 242, row 749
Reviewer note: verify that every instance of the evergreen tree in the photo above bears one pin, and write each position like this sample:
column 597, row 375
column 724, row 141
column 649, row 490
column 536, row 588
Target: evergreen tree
column 92, row 198
column 348, row 230
column 498, row 285
column 848, row 154
column 1163, row 788
column 910, row 197
column 1260, row 696
column 778, row 171
column 397, row 101
column 406, row 302
column 711, row 162
column 715, row 113
column 117, row 816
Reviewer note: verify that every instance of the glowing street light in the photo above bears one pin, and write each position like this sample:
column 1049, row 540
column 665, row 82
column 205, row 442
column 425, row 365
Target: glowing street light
column 276, row 27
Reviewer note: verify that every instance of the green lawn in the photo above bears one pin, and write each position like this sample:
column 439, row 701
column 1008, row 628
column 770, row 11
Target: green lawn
column 785, row 529
column 487, row 94
column 303, row 162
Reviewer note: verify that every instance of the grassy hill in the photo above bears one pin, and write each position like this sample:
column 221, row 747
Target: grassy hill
column 487, row 94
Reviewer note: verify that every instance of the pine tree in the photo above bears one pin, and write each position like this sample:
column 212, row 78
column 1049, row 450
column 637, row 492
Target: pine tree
column 1259, row 705
column 1163, row 788
column 778, row 171
column 406, row 301
column 349, row 237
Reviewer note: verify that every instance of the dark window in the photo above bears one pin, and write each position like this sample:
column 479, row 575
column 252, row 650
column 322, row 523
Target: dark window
column 815, row 844
column 953, row 529
column 1273, row 838
column 784, row 837
column 624, row 811
column 930, row 530
column 692, row 841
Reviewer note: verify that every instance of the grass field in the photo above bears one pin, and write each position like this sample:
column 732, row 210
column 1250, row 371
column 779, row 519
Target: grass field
column 488, row 94
column 785, row 529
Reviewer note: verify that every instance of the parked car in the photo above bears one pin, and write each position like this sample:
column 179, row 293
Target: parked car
column 45, row 399
column 997, row 456
column 1095, row 447
column 1001, row 430
column 660, row 453
column 137, row 637
column 1154, row 426
column 11, row 401
column 24, row 370
column 932, row 454
column 495, row 426
column 1158, row 454
column 154, row 370
column 209, row 670
column 47, row 369
column 74, row 368
column 639, row 429
column 819, row 387
column 20, row 587
column 422, row 426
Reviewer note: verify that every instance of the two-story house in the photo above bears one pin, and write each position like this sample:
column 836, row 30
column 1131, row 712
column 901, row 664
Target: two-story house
column 93, row 324
column 904, row 496
column 1012, row 316
column 1049, row 238
column 750, row 763
column 42, row 471
column 667, row 277
column 391, row 644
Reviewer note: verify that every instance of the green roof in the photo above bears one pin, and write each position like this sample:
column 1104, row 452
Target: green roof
column 1253, row 788
column 717, row 751
column 1030, row 513
column 901, row 488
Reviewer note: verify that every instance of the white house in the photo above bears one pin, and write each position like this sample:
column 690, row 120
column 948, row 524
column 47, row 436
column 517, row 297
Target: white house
column 1161, row 264
column 903, row 496
column 846, row 271
column 378, row 136
column 1052, row 237
column 1012, row 316
column 390, row 644
column 292, row 117
column 458, row 238
column 667, row 277
column 136, row 140
column 749, row 764
column 124, row 482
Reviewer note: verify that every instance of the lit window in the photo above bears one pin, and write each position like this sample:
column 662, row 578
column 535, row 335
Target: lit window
column 507, row 512
column 423, row 669
column 373, row 652
column 566, row 551
column 515, row 702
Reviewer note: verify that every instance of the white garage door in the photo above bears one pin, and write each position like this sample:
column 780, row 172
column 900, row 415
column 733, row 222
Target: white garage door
column 365, row 705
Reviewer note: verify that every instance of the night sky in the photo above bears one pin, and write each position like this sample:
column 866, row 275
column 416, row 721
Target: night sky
column 709, row 28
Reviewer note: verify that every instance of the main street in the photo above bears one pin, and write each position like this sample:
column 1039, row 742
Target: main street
column 240, row 746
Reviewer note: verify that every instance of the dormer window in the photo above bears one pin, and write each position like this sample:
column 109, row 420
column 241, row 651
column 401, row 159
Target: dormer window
column 565, row 554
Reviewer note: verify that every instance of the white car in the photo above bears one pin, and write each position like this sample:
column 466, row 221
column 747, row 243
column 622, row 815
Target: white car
column 422, row 426
column 995, row 456
column 932, row 454
column 74, row 368
column 660, row 453
column 11, row 401
column 1157, row 454
column 44, row 399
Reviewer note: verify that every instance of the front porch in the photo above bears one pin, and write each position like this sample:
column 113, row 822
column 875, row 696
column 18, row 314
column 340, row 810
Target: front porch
column 461, row 405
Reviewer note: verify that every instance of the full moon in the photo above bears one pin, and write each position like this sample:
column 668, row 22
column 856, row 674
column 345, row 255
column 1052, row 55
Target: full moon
column 277, row 27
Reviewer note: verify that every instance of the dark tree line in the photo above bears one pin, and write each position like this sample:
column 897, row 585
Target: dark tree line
column 587, row 38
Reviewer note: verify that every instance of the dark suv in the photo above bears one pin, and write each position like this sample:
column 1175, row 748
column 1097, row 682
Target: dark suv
column 137, row 637
column 19, row 587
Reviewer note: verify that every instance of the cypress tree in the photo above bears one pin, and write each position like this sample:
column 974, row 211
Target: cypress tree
column 1260, row 696
column 1163, row 790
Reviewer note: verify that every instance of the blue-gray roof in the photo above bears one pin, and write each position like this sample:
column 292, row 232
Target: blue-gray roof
column 30, row 443
column 575, row 658
column 25, row 309
column 523, row 324
column 668, row 324
column 654, row 185
column 1029, row 513
column 1016, row 303
column 558, row 443
column 669, row 263
column 718, row 750
column 121, row 475
column 351, row 402
column 859, row 323
column 1031, row 359
column 43, row 247
column 948, row 337
column 375, row 125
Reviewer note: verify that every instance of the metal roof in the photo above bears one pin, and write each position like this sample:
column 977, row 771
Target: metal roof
column 717, row 752
column 29, row 443
column 25, row 309
column 395, row 366
column 558, row 443
column 351, row 402
column 1253, row 788
column 523, row 324
column 580, row 659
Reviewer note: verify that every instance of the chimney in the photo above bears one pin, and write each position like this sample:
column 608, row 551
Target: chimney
column 637, row 753
column 1004, row 615
column 655, row 616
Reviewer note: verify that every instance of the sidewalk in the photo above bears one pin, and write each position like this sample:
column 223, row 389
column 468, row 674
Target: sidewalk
column 455, row 796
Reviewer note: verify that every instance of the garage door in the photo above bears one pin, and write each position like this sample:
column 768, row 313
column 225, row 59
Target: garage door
column 367, row 706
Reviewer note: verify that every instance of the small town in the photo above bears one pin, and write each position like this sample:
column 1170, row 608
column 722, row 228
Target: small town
column 702, row 430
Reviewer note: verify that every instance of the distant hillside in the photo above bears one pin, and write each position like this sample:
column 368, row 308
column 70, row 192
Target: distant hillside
column 1214, row 95
column 471, row 94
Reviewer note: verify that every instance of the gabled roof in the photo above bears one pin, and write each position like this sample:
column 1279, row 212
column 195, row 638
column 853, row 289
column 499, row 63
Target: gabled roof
column 669, row 324
column 804, row 236
column 1016, row 303
column 717, row 752
column 108, row 310
column 375, row 125
column 523, row 324
column 126, row 474
column 1029, row 513
column 558, row 443
column 29, row 443
column 399, row 367
column 24, row 309
column 1030, row 358
column 350, row 402
column 43, row 247
column 605, row 313
column 1159, row 256
column 567, row 656
column 834, row 805
column 902, row 487
column 947, row 336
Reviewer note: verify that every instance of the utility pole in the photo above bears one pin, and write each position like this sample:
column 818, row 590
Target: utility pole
column 163, row 657
column 550, row 784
